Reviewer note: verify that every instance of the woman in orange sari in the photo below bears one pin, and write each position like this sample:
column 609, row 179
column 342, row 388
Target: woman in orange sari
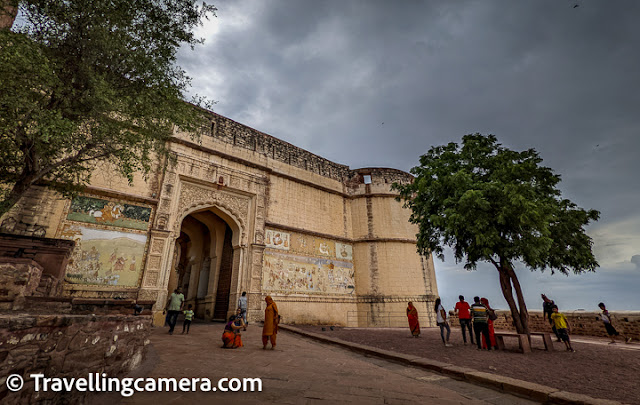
column 231, row 338
column 492, row 336
column 271, row 320
column 414, row 324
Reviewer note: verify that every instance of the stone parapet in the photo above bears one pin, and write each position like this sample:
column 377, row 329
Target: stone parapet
column 242, row 136
column 67, row 345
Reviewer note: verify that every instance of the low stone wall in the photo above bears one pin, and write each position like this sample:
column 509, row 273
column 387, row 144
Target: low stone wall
column 67, row 345
column 582, row 322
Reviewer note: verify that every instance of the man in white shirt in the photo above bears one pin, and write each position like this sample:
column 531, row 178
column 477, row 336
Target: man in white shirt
column 242, row 304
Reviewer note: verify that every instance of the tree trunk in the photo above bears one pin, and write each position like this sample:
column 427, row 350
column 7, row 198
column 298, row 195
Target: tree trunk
column 524, row 314
column 508, row 283
column 17, row 191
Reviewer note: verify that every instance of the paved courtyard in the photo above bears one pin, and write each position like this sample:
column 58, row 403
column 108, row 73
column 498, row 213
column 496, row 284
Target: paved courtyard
column 299, row 371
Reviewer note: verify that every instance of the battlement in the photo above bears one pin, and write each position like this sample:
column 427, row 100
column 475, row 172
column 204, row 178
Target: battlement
column 239, row 135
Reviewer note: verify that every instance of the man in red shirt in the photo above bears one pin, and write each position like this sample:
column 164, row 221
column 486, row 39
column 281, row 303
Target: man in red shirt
column 464, row 316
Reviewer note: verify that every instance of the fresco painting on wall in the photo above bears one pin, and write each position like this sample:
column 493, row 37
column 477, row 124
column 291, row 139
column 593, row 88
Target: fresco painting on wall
column 302, row 244
column 344, row 252
column 104, row 257
column 325, row 247
column 104, row 212
column 277, row 240
column 287, row 273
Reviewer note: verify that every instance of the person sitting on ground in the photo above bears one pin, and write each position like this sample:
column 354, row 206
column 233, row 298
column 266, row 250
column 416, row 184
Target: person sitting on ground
column 441, row 320
column 611, row 331
column 414, row 324
column 562, row 326
column 231, row 338
column 462, row 309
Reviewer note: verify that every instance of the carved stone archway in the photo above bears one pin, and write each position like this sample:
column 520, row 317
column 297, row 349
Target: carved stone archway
column 240, row 202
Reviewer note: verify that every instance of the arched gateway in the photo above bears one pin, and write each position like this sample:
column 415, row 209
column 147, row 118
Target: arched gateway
column 238, row 210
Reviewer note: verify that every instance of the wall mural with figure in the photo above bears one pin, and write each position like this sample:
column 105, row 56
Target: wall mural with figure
column 289, row 273
column 111, row 213
column 307, row 245
column 277, row 239
column 104, row 257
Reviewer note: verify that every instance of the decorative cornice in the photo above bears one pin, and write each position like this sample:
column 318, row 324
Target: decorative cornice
column 338, row 238
column 306, row 232
column 118, row 194
column 366, row 299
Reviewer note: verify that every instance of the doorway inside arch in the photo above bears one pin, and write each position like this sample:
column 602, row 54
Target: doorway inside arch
column 203, row 264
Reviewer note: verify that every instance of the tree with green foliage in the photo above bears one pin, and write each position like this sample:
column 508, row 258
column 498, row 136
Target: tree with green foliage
column 492, row 204
column 89, row 81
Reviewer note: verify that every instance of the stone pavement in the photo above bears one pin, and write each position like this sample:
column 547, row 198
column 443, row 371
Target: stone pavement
column 299, row 371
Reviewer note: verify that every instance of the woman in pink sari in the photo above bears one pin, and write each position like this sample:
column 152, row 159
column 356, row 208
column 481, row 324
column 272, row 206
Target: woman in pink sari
column 492, row 336
column 414, row 324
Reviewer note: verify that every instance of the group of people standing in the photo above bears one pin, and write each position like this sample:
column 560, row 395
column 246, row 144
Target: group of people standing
column 479, row 314
column 231, row 335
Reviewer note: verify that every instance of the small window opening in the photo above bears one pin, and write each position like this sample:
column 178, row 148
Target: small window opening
column 367, row 179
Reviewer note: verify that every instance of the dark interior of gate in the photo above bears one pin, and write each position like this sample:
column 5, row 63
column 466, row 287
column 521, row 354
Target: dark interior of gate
column 203, row 264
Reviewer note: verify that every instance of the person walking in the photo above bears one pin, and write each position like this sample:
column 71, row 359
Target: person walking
column 611, row 331
column 562, row 326
column 271, row 321
column 242, row 304
column 188, row 317
column 462, row 309
column 414, row 324
column 480, row 326
column 441, row 320
column 174, row 306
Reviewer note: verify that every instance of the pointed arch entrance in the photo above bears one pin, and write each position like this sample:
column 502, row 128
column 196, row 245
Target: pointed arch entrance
column 205, row 261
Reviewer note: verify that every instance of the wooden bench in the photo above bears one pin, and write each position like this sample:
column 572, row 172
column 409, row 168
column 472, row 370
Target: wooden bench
column 546, row 338
column 523, row 340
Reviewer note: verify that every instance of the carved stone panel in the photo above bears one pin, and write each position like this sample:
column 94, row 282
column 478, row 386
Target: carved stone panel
column 157, row 246
column 151, row 278
column 192, row 196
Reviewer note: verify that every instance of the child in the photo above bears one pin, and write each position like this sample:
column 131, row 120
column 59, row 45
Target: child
column 562, row 326
column 239, row 320
column 188, row 316
column 611, row 331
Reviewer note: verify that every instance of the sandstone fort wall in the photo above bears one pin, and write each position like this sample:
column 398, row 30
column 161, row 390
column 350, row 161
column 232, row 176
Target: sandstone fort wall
column 349, row 244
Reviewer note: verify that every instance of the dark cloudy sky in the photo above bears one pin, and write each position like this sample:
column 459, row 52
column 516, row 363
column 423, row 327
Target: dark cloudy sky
column 377, row 83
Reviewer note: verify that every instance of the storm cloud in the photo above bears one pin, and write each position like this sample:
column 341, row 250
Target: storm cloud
column 372, row 83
